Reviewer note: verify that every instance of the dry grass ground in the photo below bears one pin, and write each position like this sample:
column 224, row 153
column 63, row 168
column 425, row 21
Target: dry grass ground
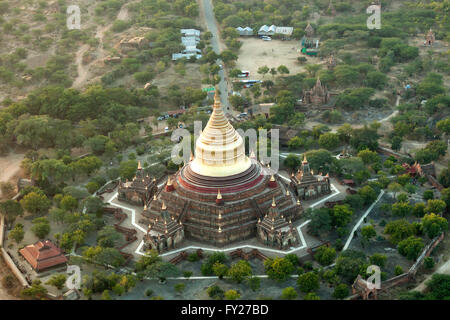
column 256, row 53
column 10, row 167
column 12, row 293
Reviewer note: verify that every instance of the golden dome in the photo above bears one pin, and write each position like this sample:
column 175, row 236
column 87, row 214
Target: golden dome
column 220, row 150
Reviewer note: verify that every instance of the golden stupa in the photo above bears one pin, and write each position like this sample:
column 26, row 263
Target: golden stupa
column 220, row 150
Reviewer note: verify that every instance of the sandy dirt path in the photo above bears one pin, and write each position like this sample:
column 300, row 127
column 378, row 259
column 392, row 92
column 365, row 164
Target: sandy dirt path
column 83, row 70
column 444, row 269
column 10, row 165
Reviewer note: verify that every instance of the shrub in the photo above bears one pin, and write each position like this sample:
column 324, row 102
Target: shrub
column 232, row 295
column 254, row 283
column 215, row 292
column 308, row 282
column 325, row 255
column 148, row 292
column 410, row 247
column 398, row 270
column 179, row 287
column 428, row 262
column 289, row 293
column 378, row 259
column 341, row 291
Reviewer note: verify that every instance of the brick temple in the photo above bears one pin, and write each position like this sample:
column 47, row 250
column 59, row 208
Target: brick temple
column 220, row 199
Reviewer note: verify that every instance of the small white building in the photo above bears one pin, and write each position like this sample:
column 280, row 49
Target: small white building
column 270, row 31
column 176, row 56
column 190, row 32
column 189, row 41
column 247, row 31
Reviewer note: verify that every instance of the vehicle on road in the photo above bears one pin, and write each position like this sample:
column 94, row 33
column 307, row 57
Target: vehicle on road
column 265, row 38
column 244, row 74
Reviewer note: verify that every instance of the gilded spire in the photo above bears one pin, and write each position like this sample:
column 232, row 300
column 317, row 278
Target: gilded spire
column 216, row 99
column 154, row 197
column 219, row 150
column 304, row 158
column 163, row 207
column 273, row 202
column 288, row 193
column 272, row 178
column 139, row 165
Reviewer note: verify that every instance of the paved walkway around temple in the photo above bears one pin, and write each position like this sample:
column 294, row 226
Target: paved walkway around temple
column 143, row 230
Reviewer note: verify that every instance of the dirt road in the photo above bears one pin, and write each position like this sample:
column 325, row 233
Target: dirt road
column 207, row 13
column 444, row 269
column 10, row 165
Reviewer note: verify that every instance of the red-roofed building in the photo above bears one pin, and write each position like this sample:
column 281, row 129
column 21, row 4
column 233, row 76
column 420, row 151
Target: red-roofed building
column 43, row 255
column 176, row 113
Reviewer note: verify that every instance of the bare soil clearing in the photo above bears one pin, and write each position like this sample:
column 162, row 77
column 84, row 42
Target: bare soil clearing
column 8, row 294
column 10, row 165
column 256, row 53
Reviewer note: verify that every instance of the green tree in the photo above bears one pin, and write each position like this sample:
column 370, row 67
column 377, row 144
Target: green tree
column 282, row 69
column 57, row 280
column 378, row 259
column 394, row 187
column 329, row 140
column 368, row 156
column 41, row 227
column 240, row 271
column 179, row 287
column 325, row 255
column 220, row 269
column 35, row 203
column 401, row 209
column 368, row 232
column 311, row 296
column 350, row 263
column 232, row 295
column 433, row 224
column 292, row 161
column 68, row 203
column 435, row 206
column 278, row 269
column 368, row 194
column 399, row 230
column 37, row 291
column 11, row 209
column 341, row 291
column 418, row 209
column 342, row 215
column 254, row 283
column 410, row 247
column 308, row 282
column 289, row 293
column 17, row 233
column 128, row 169
column 263, row 70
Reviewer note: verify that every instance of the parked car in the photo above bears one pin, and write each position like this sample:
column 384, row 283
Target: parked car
column 160, row 118
column 266, row 38
column 166, row 129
